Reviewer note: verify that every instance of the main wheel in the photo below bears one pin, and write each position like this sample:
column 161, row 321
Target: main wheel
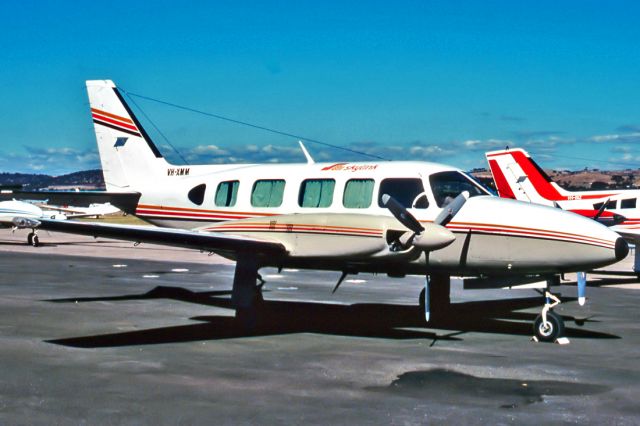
column 248, row 318
column 550, row 331
column 35, row 241
column 30, row 238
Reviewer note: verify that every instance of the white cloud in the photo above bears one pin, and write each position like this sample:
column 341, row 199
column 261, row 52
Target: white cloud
column 627, row 137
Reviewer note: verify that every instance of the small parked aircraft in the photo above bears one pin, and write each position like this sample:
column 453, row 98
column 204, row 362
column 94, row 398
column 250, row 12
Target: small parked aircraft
column 72, row 212
column 517, row 176
column 395, row 218
column 9, row 210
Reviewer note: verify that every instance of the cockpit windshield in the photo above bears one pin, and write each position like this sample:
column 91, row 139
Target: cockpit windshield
column 448, row 185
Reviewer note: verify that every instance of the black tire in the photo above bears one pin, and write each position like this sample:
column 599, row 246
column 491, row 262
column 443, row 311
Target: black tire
column 30, row 238
column 421, row 299
column 554, row 329
column 35, row 241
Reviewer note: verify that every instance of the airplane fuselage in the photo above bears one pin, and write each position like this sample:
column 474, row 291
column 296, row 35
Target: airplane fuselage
column 330, row 216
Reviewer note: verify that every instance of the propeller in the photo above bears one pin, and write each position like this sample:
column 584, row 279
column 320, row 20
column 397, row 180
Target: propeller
column 429, row 236
column 582, row 287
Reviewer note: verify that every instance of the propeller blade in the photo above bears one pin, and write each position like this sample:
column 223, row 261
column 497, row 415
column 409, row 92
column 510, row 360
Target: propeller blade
column 427, row 307
column 601, row 209
column 401, row 213
column 451, row 209
column 582, row 287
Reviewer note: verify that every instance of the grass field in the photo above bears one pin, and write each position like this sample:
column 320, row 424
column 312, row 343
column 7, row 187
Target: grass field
column 117, row 218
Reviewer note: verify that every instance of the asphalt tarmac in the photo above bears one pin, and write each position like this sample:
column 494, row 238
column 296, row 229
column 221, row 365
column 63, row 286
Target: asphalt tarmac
column 97, row 332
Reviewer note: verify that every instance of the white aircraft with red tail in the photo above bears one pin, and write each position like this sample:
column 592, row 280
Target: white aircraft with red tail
column 518, row 176
column 396, row 218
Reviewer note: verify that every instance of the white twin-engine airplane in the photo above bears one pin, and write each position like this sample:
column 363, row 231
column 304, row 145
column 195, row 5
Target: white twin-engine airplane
column 518, row 176
column 395, row 218
column 10, row 210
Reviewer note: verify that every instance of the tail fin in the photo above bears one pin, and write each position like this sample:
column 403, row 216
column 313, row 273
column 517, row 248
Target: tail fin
column 517, row 176
column 128, row 156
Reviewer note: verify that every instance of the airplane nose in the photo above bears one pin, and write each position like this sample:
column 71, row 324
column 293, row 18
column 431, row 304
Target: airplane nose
column 622, row 249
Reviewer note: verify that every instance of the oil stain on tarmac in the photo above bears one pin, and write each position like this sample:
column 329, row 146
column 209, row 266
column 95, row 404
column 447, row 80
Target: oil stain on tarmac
column 440, row 384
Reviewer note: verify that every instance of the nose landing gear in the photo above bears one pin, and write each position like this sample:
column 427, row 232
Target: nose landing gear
column 548, row 326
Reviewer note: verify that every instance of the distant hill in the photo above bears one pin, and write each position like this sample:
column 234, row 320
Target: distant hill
column 88, row 179
column 571, row 180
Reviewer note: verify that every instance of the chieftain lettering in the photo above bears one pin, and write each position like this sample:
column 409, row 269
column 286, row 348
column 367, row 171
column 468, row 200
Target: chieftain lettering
column 346, row 167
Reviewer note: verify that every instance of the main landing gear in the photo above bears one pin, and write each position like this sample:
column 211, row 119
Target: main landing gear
column 435, row 297
column 246, row 295
column 32, row 239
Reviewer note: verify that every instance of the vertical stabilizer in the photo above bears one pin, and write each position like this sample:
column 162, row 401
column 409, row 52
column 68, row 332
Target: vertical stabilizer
column 128, row 156
column 517, row 176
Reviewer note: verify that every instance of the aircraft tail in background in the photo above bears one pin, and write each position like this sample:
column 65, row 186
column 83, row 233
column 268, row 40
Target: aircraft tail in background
column 517, row 176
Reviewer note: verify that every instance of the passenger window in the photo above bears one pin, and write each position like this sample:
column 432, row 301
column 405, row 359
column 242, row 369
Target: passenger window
column 610, row 205
column 267, row 193
column 196, row 195
column 448, row 185
column 358, row 193
column 227, row 193
column 629, row 203
column 316, row 193
column 407, row 191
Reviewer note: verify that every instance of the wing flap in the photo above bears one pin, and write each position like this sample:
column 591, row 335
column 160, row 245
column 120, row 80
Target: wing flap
column 197, row 240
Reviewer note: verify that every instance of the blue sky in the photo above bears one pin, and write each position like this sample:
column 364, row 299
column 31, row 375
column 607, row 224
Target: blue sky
column 439, row 81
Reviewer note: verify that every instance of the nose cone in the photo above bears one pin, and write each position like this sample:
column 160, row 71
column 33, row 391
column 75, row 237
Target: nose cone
column 622, row 249
column 536, row 239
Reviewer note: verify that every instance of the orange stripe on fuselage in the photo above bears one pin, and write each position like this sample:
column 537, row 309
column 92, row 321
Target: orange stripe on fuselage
column 284, row 226
column 191, row 210
column 520, row 228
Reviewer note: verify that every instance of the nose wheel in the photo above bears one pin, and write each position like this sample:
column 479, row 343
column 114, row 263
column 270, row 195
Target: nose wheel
column 548, row 326
column 548, row 330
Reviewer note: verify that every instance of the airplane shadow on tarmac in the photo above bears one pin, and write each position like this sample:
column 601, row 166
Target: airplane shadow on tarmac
column 373, row 320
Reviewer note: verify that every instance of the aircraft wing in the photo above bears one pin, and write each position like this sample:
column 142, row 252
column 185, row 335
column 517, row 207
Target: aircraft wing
column 207, row 241
column 125, row 201
column 631, row 235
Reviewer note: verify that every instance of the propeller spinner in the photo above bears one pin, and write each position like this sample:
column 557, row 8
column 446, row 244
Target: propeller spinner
column 428, row 237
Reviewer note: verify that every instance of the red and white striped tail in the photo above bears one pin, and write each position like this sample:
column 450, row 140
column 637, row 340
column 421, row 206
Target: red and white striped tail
column 129, row 158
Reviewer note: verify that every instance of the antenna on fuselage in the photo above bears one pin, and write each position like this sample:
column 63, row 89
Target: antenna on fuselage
column 306, row 153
